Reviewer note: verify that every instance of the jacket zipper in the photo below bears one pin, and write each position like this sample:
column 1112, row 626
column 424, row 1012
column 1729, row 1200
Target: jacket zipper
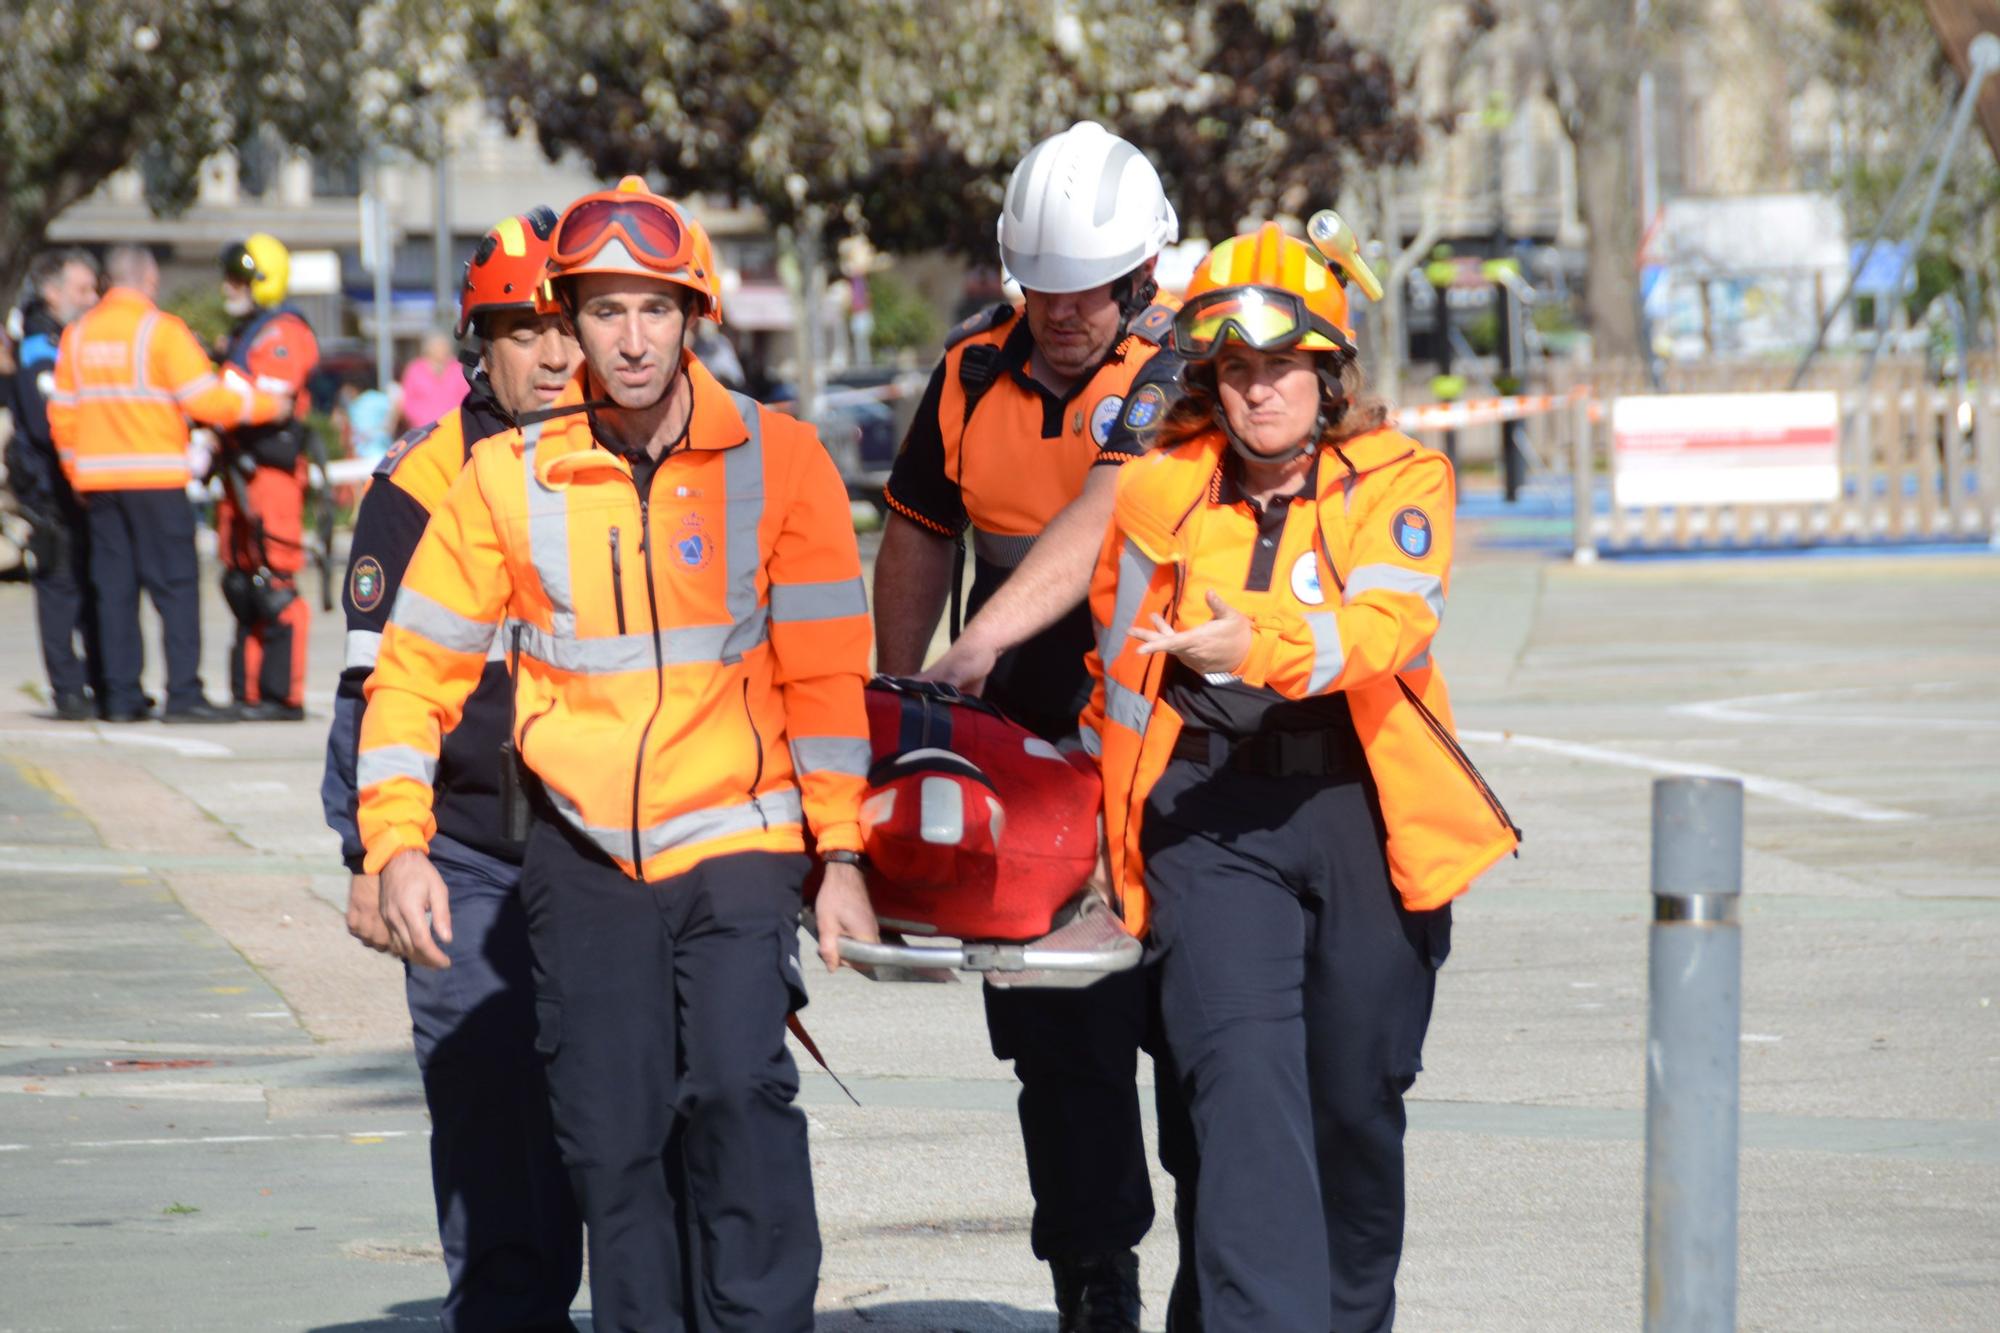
column 659, row 676
column 757, row 737
column 1445, row 738
column 618, row 580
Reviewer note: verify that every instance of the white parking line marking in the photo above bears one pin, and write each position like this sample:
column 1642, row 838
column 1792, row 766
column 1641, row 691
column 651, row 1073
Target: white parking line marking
column 359, row 1136
column 1754, row 708
column 70, row 868
column 180, row 745
column 1776, row 789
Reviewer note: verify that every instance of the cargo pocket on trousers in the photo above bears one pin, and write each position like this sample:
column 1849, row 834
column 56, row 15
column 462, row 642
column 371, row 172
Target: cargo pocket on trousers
column 548, row 1027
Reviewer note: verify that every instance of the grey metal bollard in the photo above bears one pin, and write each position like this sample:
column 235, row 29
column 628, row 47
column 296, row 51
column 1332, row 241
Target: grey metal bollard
column 1692, row 1042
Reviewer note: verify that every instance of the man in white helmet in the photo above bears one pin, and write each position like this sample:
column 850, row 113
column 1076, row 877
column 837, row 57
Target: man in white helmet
column 1014, row 439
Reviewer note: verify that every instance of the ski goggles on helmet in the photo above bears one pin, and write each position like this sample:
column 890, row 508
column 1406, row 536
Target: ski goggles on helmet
column 1268, row 319
column 652, row 231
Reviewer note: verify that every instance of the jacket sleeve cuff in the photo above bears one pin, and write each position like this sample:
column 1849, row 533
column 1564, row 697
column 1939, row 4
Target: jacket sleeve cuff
column 356, row 863
column 1256, row 668
column 843, row 836
column 389, row 844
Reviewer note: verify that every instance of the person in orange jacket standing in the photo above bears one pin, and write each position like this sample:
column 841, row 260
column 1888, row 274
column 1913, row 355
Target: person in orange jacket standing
column 671, row 573
column 260, row 522
column 128, row 377
column 1288, row 814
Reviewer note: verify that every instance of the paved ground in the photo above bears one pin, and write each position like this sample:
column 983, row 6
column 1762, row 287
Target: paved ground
column 209, row 1118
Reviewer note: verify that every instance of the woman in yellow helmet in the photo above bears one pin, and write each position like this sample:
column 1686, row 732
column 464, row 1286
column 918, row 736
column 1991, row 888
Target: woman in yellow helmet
column 1288, row 813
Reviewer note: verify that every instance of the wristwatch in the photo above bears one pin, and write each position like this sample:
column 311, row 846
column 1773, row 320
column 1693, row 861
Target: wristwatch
column 842, row 858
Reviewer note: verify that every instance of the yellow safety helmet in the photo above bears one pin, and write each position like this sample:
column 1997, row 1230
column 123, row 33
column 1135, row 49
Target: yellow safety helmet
column 262, row 261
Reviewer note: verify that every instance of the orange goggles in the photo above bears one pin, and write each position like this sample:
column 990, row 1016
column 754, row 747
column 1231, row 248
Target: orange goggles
column 652, row 231
column 1268, row 319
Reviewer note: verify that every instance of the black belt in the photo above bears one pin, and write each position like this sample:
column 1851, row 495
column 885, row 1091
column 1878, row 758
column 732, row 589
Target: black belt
column 1274, row 754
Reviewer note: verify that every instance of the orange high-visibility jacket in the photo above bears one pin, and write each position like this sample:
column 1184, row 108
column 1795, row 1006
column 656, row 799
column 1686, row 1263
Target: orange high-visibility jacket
column 689, row 668
column 128, row 376
column 1356, row 598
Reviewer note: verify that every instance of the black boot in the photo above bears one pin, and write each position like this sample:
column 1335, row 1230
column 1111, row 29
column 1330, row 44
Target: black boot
column 1097, row 1293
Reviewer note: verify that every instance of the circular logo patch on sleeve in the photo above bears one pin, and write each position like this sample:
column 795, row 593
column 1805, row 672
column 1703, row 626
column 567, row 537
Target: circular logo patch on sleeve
column 1145, row 408
column 1412, row 530
column 366, row 584
column 1104, row 416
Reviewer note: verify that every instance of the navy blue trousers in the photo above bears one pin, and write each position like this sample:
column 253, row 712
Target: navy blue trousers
column 1295, row 991
column 661, row 1009
column 513, row 1242
column 1076, row 1053
column 145, row 539
column 65, row 608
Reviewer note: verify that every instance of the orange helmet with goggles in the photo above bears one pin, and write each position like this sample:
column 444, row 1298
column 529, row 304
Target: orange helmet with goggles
column 631, row 230
column 1266, row 290
column 508, row 268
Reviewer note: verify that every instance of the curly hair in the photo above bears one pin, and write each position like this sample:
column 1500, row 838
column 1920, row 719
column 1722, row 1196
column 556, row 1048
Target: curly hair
column 1356, row 412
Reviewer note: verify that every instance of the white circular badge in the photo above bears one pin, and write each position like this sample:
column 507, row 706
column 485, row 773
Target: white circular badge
column 1305, row 580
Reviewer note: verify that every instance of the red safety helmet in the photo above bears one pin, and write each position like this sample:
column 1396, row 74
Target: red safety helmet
column 974, row 827
column 509, row 267
column 632, row 230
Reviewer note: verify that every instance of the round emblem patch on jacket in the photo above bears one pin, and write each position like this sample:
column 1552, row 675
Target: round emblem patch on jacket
column 1104, row 416
column 1305, row 580
column 366, row 583
column 1412, row 530
column 693, row 546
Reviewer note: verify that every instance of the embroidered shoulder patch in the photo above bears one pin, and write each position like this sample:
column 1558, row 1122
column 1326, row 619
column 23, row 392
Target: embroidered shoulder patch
column 366, row 584
column 1412, row 530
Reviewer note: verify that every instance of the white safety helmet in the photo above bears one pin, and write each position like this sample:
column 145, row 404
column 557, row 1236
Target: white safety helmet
column 1083, row 208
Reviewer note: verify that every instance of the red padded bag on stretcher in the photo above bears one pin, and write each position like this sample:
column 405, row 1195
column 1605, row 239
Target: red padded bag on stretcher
column 977, row 829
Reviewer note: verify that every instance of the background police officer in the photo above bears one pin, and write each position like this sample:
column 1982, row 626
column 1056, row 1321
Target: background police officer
column 62, row 284
column 1014, row 440
column 513, row 1243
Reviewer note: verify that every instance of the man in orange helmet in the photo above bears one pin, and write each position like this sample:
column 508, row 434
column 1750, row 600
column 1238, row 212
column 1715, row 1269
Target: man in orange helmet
column 513, row 1243
column 671, row 573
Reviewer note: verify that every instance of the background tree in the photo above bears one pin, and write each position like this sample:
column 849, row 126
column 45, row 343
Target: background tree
column 92, row 85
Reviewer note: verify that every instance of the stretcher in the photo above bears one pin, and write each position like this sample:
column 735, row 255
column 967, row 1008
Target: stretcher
column 980, row 838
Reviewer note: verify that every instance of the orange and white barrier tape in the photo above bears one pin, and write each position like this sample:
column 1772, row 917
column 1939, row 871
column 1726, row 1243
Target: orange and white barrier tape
column 1483, row 411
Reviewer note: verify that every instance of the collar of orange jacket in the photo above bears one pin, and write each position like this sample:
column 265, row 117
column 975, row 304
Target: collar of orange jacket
column 568, row 446
column 1156, row 495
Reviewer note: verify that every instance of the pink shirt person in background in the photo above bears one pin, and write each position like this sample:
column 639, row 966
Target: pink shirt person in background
column 433, row 384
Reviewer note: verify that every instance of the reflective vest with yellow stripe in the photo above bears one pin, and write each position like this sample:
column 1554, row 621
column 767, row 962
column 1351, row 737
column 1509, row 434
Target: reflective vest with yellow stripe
column 688, row 666
column 128, row 376
column 1355, row 614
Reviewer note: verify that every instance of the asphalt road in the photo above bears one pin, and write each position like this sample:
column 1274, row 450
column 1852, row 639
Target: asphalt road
column 210, row 1119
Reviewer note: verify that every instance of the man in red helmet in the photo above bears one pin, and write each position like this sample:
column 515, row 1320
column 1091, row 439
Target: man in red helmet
column 671, row 573
column 513, row 1243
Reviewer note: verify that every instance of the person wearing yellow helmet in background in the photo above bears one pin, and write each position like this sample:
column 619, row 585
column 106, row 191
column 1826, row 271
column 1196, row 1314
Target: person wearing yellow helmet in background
column 677, row 576
column 1288, row 815
column 260, row 522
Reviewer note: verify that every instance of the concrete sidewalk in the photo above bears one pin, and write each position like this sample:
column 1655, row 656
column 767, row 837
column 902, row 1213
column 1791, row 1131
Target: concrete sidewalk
column 209, row 1117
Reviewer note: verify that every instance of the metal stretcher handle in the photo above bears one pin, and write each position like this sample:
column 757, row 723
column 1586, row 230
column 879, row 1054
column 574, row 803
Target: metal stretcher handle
column 994, row 957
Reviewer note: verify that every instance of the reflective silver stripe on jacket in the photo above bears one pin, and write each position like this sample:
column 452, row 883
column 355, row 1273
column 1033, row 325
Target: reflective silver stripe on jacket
column 1093, row 744
column 394, row 761
column 848, row 755
column 1135, row 575
column 999, row 548
column 743, row 492
column 1125, row 706
column 1328, row 657
column 793, row 602
column 688, row 645
column 1397, row 578
column 363, row 646
column 430, row 619
column 694, row 827
column 117, row 462
column 548, row 537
